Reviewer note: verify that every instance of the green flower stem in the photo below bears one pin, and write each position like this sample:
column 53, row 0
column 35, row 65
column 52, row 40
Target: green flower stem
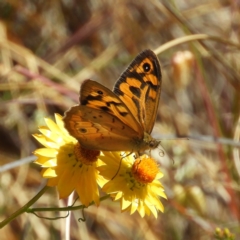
column 24, row 208
column 69, row 208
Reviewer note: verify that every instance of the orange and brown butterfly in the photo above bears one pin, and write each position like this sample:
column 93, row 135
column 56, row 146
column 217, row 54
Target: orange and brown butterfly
column 122, row 119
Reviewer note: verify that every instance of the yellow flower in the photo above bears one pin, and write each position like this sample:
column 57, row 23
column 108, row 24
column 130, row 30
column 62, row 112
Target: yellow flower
column 66, row 164
column 136, row 182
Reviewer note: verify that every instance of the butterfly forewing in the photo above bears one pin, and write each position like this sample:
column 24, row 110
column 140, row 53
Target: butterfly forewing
column 139, row 87
column 95, row 95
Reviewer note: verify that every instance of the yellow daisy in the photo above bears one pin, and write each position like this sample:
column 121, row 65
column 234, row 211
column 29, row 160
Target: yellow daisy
column 136, row 182
column 66, row 164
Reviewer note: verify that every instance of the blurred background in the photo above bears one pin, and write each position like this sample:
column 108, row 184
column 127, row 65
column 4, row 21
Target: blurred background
column 47, row 48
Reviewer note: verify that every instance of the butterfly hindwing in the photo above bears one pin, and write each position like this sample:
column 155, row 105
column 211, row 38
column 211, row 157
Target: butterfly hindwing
column 95, row 129
column 139, row 87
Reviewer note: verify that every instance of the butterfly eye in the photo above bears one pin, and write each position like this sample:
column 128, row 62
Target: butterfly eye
column 146, row 67
column 153, row 144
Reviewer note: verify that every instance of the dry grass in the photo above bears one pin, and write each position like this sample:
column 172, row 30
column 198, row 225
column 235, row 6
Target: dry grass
column 48, row 48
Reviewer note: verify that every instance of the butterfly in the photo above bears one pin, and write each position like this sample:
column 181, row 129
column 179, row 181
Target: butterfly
column 122, row 119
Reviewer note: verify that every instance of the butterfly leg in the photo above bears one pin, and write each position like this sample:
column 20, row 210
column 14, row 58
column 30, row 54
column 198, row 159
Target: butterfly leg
column 123, row 156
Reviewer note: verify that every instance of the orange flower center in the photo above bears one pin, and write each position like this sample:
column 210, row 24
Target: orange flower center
column 84, row 155
column 145, row 170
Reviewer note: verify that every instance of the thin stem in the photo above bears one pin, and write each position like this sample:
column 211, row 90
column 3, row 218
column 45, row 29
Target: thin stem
column 24, row 208
column 62, row 209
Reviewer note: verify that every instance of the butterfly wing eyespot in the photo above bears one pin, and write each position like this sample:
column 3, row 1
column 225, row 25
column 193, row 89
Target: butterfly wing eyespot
column 122, row 119
column 82, row 130
column 146, row 67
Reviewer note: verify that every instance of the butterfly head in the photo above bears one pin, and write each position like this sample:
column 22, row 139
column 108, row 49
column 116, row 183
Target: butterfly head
column 150, row 142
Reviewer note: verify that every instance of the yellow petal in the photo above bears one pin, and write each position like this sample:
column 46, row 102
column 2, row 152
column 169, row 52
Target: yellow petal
column 53, row 136
column 41, row 159
column 153, row 210
column 118, row 195
column 49, row 172
column 159, row 175
column 134, row 206
column 52, row 182
column 45, row 142
column 141, row 209
column 50, row 163
column 125, row 203
column 52, row 125
column 65, row 187
column 46, row 152
column 60, row 124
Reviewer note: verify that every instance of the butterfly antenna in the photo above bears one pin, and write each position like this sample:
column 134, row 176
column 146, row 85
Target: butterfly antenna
column 162, row 153
column 175, row 137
